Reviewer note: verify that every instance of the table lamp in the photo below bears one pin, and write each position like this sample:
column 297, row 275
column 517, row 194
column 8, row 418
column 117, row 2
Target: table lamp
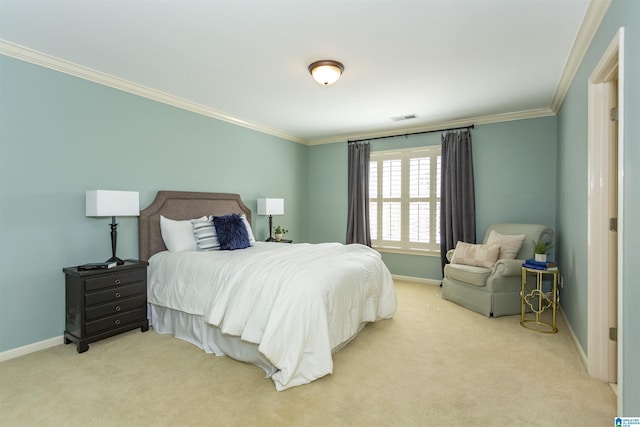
column 270, row 207
column 104, row 203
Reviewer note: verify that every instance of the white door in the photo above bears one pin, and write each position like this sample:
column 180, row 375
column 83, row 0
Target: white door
column 605, row 218
column 612, row 323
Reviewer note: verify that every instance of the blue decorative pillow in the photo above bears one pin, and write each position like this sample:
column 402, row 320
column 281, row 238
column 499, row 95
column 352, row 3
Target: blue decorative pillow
column 231, row 231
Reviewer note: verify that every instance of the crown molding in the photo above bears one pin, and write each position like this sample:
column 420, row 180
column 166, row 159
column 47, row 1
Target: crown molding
column 480, row 120
column 38, row 58
column 593, row 18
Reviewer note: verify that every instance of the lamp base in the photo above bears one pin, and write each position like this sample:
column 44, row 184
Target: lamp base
column 114, row 239
column 116, row 260
column 270, row 239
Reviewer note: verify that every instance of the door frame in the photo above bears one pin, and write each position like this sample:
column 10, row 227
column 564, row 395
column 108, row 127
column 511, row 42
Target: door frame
column 599, row 91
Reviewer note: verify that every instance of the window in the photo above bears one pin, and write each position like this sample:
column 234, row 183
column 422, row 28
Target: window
column 404, row 199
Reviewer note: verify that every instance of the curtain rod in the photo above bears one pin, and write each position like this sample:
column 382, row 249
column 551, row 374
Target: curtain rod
column 410, row 134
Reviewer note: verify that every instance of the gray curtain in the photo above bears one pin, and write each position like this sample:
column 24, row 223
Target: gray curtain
column 358, row 199
column 457, row 193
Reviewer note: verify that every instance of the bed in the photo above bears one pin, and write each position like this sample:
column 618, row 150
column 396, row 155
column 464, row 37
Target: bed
column 274, row 305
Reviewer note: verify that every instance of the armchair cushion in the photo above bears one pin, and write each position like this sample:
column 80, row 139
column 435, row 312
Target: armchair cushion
column 470, row 274
column 531, row 231
column 510, row 244
column 478, row 255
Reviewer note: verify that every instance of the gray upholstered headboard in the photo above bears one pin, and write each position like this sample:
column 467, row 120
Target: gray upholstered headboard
column 181, row 205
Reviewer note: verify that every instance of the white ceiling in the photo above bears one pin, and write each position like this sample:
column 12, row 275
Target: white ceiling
column 447, row 61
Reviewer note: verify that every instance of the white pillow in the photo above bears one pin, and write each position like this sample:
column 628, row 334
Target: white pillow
column 510, row 244
column 178, row 235
column 478, row 255
column 252, row 239
column 205, row 234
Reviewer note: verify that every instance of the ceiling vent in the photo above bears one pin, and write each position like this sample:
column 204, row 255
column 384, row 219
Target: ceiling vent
column 407, row 117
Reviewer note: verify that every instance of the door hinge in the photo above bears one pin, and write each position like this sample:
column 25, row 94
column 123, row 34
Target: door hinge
column 613, row 334
column 613, row 224
column 613, row 114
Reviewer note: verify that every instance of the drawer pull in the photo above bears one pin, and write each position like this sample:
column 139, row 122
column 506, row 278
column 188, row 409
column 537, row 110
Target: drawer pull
column 117, row 294
column 117, row 308
column 117, row 281
column 118, row 322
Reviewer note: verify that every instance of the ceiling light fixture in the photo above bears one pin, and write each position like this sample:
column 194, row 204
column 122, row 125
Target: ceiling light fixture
column 326, row 72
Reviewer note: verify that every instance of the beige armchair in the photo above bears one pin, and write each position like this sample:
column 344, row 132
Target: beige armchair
column 496, row 290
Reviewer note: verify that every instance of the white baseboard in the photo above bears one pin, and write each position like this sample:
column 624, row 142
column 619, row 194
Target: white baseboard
column 52, row 342
column 416, row 279
column 31, row 348
column 583, row 356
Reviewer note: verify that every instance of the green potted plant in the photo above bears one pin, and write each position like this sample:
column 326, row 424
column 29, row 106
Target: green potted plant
column 540, row 250
column 279, row 231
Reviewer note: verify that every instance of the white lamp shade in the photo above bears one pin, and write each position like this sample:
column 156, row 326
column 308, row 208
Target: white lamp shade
column 112, row 203
column 270, row 206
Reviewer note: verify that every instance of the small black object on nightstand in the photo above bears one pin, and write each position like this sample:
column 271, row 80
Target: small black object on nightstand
column 105, row 302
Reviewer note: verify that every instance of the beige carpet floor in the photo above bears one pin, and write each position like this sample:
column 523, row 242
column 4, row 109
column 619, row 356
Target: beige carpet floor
column 433, row 364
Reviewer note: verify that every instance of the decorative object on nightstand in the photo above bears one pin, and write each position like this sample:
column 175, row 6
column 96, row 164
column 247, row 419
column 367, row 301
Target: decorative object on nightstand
column 270, row 207
column 101, row 203
column 103, row 303
column 97, row 266
column 280, row 231
column 540, row 249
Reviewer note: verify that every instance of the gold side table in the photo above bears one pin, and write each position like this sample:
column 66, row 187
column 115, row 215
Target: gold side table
column 538, row 301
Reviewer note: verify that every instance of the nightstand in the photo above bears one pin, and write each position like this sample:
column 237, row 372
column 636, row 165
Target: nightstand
column 104, row 303
column 535, row 298
column 282, row 241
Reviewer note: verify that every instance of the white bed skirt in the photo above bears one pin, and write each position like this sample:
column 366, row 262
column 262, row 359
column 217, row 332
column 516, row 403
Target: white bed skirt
column 193, row 329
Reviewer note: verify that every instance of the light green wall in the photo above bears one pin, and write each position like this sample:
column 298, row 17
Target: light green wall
column 61, row 136
column 328, row 193
column 515, row 171
column 572, row 193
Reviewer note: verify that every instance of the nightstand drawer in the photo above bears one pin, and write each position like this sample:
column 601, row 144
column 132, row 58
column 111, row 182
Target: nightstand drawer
column 115, row 321
column 115, row 307
column 115, row 279
column 112, row 294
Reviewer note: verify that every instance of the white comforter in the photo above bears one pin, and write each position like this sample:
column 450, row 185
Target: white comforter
column 296, row 301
